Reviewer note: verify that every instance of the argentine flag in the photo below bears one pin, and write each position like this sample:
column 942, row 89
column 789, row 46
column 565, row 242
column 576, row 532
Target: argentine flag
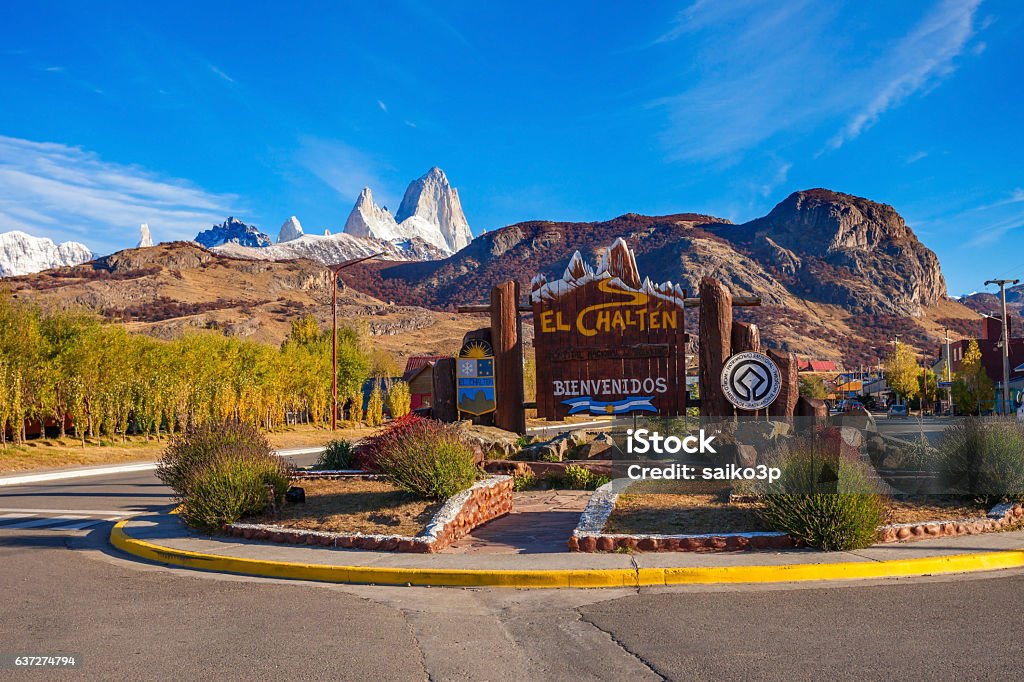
column 624, row 406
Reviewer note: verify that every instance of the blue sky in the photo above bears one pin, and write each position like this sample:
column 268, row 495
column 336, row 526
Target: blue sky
column 179, row 114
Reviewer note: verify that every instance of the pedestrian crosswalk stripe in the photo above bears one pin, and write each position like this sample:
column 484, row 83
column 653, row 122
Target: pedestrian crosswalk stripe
column 22, row 522
column 33, row 523
column 80, row 525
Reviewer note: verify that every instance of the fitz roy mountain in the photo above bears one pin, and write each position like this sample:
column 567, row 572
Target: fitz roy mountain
column 834, row 272
column 430, row 211
column 430, row 225
column 22, row 254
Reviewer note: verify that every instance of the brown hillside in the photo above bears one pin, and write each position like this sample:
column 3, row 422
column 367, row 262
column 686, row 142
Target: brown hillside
column 180, row 287
column 838, row 274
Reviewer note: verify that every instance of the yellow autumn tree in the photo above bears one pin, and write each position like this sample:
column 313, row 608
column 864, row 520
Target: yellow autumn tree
column 972, row 389
column 901, row 371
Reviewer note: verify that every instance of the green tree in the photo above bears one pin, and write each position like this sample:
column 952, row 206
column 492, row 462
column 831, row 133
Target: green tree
column 972, row 388
column 901, row 371
column 813, row 387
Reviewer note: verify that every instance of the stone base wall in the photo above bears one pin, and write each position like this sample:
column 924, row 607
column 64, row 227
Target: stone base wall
column 484, row 501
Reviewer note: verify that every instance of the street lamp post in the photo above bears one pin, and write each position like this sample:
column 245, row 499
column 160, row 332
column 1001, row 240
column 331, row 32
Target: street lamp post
column 334, row 335
column 1006, row 340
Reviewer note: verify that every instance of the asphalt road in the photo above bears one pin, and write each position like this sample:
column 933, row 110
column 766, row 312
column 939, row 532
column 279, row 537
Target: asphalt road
column 911, row 428
column 67, row 591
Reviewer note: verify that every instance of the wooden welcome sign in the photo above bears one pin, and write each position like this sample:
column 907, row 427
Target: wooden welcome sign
column 607, row 342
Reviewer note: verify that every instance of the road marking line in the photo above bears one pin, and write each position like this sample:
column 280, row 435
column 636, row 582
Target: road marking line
column 113, row 514
column 36, row 523
column 13, row 516
column 80, row 525
column 120, row 469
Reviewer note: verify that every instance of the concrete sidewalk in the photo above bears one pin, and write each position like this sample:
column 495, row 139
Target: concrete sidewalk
column 165, row 539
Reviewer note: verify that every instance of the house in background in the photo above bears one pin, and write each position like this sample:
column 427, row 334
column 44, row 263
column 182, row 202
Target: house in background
column 419, row 374
column 990, row 345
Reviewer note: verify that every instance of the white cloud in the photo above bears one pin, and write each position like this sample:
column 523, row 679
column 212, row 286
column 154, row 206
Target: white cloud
column 993, row 232
column 760, row 71
column 220, row 73
column 917, row 62
column 62, row 192
column 343, row 168
column 383, row 107
column 915, row 157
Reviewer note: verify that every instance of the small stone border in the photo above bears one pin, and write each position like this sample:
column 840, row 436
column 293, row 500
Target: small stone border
column 483, row 501
column 999, row 517
column 588, row 535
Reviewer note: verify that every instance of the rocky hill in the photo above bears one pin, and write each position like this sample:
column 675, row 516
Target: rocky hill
column 837, row 274
column 181, row 287
column 990, row 304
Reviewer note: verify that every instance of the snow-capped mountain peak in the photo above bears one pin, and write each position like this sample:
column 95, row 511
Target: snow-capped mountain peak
column 430, row 211
column 22, row 254
column 235, row 231
column 434, row 200
column 291, row 229
column 367, row 219
column 145, row 237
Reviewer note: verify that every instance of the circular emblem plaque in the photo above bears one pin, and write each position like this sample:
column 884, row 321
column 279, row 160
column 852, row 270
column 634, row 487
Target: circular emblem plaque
column 751, row 381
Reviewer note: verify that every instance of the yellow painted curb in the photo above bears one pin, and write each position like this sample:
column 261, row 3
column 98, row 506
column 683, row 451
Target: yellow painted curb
column 615, row 577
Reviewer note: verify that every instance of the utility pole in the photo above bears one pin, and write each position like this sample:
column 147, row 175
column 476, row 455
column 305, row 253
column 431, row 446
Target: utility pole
column 334, row 335
column 1006, row 340
column 949, row 370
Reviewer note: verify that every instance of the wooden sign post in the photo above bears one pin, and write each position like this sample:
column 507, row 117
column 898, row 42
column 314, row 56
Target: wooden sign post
column 507, row 341
column 608, row 343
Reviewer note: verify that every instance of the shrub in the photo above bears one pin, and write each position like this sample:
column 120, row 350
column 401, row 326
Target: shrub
column 577, row 477
column 375, row 407
column 983, row 458
column 188, row 453
column 399, row 400
column 369, row 450
column 827, row 502
column 231, row 486
column 424, row 457
column 337, row 454
column 523, row 481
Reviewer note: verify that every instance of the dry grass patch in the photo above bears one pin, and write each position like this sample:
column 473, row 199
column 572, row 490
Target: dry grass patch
column 685, row 508
column 39, row 453
column 357, row 506
column 921, row 509
column 681, row 514
column 45, row 453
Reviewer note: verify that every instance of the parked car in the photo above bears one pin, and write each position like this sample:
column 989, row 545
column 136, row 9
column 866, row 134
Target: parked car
column 898, row 412
column 852, row 405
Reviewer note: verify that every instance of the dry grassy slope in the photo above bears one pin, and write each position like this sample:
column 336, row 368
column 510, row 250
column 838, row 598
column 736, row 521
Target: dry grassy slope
column 172, row 289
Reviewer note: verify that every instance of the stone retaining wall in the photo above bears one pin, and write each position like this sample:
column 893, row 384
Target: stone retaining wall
column 484, row 501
